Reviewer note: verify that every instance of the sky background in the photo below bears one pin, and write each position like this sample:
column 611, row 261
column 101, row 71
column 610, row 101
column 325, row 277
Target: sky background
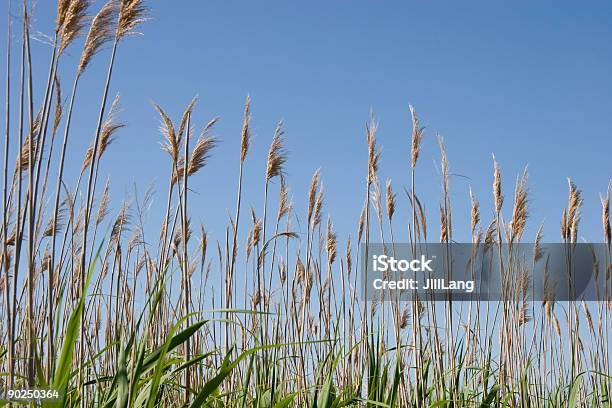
column 527, row 81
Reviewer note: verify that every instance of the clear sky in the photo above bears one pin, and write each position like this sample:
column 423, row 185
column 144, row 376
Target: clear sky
column 526, row 80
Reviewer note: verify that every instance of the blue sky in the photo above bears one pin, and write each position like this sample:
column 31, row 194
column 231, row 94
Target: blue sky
column 527, row 81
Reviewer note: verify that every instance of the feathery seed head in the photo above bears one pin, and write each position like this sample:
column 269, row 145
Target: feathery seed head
column 282, row 272
column 30, row 145
column 55, row 225
column 132, row 13
column 109, row 128
column 361, row 223
column 101, row 31
column 277, row 154
column 444, row 163
column 605, row 215
column 564, row 228
column 498, row 197
column 373, row 152
column 183, row 123
column 104, row 201
column 524, row 316
column 417, row 136
column 390, row 199
column 475, row 212
column 285, row 205
column 573, row 211
column 404, row 319
column 71, row 22
column 318, row 209
column 331, row 242
column 587, row 313
column 537, row 248
column 300, row 270
column 203, row 243
column 58, row 105
column 520, row 211
column 200, row 154
column 123, row 218
column 444, row 233
column 490, row 235
column 376, row 197
column 349, row 257
column 246, row 131
column 171, row 145
column 312, row 193
column 256, row 229
column 62, row 8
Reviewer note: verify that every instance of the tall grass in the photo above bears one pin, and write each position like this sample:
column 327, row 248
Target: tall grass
column 107, row 319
